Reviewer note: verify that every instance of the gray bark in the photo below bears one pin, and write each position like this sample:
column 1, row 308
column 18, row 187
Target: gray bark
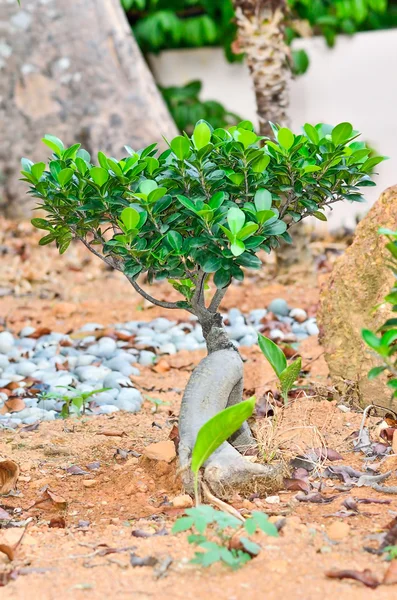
column 216, row 383
column 71, row 68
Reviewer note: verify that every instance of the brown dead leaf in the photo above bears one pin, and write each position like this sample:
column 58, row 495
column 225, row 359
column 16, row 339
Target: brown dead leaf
column 314, row 497
column 394, row 442
column 162, row 366
column 39, row 332
column 76, row 470
column 32, row 427
column 327, row 453
column 5, row 391
column 58, row 522
column 174, row 436
column 112, row 433
column 297, row 485
column 388, row 433
column 9, row 549
column 366, row 577
column 51, row 498
column 7, row 576
column 9, row 473
column 13, row 404
column 390, row 576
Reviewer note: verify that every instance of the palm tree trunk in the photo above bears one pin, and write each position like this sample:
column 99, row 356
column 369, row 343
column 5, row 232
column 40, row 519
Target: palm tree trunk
column 261, row 37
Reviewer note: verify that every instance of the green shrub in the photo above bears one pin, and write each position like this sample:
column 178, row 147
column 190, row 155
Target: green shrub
column 207, row 205
column 383, row 342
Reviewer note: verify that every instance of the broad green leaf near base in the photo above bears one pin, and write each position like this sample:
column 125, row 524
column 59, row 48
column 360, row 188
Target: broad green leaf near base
column 289, row 376
column 218, row 429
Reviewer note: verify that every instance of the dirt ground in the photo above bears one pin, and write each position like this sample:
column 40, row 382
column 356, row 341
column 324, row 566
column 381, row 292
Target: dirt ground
column 80, row 528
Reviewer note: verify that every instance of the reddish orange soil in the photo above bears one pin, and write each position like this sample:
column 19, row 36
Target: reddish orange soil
column 132, row 492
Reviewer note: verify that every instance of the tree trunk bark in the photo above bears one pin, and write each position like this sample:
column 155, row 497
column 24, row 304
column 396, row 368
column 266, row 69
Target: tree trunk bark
column 71, row 68
column 261, row 37
column 215, row 384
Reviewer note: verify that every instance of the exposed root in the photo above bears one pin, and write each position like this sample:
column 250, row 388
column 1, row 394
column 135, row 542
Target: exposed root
column 220, row 503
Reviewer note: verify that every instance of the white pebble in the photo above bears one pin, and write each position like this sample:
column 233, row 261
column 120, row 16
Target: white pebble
column 6, row 342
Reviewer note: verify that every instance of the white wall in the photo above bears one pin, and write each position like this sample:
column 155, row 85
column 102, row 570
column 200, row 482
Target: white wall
column 355, row 81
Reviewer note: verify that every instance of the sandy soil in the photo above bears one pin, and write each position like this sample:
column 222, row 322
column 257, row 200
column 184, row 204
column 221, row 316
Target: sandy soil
column 89, row 556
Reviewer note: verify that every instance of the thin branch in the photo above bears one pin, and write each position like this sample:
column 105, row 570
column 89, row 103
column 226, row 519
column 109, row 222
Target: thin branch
column 115, row 265
column 150, row 298
column 198, row 296
column 217, row 299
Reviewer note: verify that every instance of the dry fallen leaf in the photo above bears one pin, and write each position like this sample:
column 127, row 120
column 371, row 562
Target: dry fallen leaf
column 112, row 433
column 4, row 515
column 6, row 547
column 314, row 497
column 297, row 485
column 9, row 473
column 39, row 332
column 390, row 576
column 76, row 470
column 394, row 442
column 52, row 498
column 366, row 577
column 13, row 404
column 58, row 522
column 162, row 366
column 327, row 453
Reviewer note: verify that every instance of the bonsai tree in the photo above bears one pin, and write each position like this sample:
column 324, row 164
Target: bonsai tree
column 197, row 215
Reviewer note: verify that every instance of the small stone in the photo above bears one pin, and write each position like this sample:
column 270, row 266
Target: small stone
column 279, row 306
column 89, row 483
column 312, row 329
column 6, row 342
column 26, row 331
column 276, row 335
column 21, row 20
column 298, row 314
column 338, row 530
column 146, row 358
column 167, row 348
column 343, row 408
column 272, row 500
column 93, row 373
column 183, row 501
column 115, row 379
column 161, row 451
column 26, row 368
column 107, row 409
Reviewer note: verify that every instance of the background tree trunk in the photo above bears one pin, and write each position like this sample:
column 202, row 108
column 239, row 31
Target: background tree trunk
column 71, row 68
column 261, row 37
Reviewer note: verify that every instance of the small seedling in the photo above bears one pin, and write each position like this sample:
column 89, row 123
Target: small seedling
column 391, row 552
column 287, row 374
column 216, row 431
column 71, row 405
column 222, row 536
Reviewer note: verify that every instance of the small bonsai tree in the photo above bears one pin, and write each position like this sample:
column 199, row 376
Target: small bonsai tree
column 197, row 215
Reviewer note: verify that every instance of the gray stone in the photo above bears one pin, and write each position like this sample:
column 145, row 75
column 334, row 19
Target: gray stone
column 279, row 306
column 104, row 398
column 236, row 332
column 276, row 335
column 107, row 409
column 115, row 379
column 167, row 348
column 85, row 359
column 91, row 327
column 248, row 340
column 6, row 342
column 312, row 328
column 4, row 362
column 26, row 331
column 105, row 348
column 94, row 373
column 21, row 20
column 161, row 324
column 298, row 314
column 26, row 343
column 146, row 358
column 257, row 314
column 26, row 368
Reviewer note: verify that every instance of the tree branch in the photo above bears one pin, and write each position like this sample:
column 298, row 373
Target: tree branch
column 217, row 299
column 198, row 296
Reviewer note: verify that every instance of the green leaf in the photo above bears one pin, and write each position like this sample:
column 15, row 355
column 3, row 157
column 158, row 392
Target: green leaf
column 41, row 224
column 371, row 163
column 370, row 339
column 130, row 218
column 300, row 62
column 259, row 165
column 235, row 219
column 37, row 170
column 99, row 175
column 289, row 376
column 276, row 228
column 180, row 147
column 54, row 143
column 211, row 264
column 222, row 278
column 263, row 200
column 341, row 133
column 187, row 203
column 250, row 261
column 273, row 353
column 175, row 240
column 245, row 137
column 147, row 186
column 375, row 372
column 47, row 239
column 65, row 176
column 218, row 429
column 201, row 135
column 217, row 200
column 319, row 215
column 260, row 521
column 237, row 247
column 157, row 194
column 247, row 231
column 250, row 546
column 182, row 524
column 285, row 138
column 311, row 133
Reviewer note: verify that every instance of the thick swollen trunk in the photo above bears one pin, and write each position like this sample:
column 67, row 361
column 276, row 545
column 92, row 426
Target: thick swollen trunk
column 73, row 69
column 261, row 37
column 216, row 383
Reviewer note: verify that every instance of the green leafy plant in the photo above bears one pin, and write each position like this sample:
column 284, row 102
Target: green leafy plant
column 383, row 342
column 216, row 431
column 197, row 215
column 222, row 536
column 186, row 108
column 76, row 404
column 287, row 374
column 391, row 552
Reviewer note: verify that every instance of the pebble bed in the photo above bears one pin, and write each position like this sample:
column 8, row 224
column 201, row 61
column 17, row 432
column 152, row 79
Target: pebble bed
column 92, row 363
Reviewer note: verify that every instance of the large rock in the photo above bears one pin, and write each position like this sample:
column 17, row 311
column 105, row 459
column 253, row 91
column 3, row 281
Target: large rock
column 359, row 281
